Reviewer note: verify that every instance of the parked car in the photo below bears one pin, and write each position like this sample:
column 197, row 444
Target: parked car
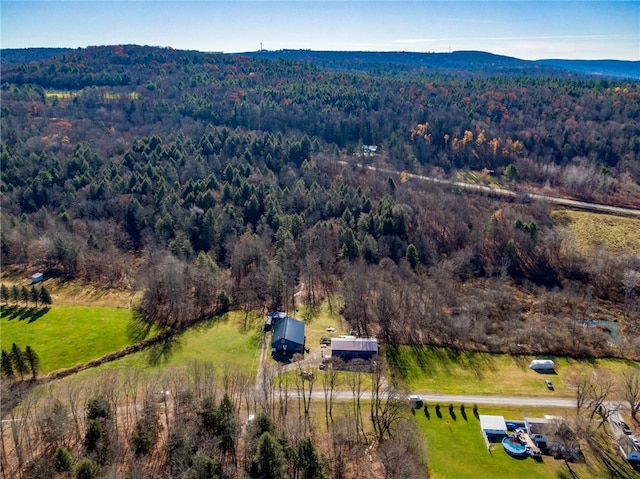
column 549, row 384
column 635, row 441
column 416, row 401
column 625, row 428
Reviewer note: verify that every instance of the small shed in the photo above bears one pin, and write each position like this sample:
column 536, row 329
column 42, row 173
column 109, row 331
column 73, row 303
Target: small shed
column 288, row 336
column 36, row 278
column 349, row 348
column 493, row 428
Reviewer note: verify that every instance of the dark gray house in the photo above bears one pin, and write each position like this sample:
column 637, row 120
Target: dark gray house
column 353, row 348
column 288, row 336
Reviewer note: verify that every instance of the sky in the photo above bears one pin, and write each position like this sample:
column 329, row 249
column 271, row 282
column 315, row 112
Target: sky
column 530, row 30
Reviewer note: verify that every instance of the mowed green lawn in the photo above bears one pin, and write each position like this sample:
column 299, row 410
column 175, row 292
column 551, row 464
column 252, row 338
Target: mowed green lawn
column 226, row 341
column 441, row 370
column 457, row 450
column 64, row 336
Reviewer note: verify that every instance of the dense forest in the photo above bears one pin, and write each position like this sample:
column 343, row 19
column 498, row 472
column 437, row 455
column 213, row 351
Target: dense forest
column 211, row 182
column 113, row 157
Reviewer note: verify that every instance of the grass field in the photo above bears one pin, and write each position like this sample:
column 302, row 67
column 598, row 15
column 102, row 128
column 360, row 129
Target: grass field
column 590, row 231
column 457, row 450
column 479, row 177
column 227, row 340
column 64, row 336
column 432, row 369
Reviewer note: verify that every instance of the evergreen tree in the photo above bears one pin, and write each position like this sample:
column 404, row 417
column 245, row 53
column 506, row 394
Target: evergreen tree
column 62, row 460
column 45, row 297
column 308, row 460
column 87, row 469
column 4, row 293
column 33, row 360
column 6, row 365
column 15, row 294
column 19, row 361
column 24, row 295
column 204, row 467
column 227, row 425
column 34, row 296
column 269, row 461
column 412, row 255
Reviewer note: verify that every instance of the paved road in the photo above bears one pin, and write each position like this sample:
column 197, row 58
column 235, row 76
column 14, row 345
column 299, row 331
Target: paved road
column 505, row 193
column 471, row 399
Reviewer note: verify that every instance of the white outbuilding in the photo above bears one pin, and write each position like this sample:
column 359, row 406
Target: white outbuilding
column 542, row 365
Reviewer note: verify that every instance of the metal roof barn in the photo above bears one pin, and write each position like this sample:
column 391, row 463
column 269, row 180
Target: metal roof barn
column 354, row 348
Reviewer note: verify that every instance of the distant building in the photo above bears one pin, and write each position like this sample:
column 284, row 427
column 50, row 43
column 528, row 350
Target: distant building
column 349, row 348
column 288, row 336
column 370, row 149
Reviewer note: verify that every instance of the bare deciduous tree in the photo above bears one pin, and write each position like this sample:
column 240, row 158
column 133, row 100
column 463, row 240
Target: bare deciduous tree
column 630, row 389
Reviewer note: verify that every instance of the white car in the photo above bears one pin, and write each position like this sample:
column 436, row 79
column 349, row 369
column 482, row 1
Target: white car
column 635, row 441
column 416, row 401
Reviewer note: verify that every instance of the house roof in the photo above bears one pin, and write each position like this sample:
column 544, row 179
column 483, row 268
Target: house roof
column 288, row 329
column 354, row 344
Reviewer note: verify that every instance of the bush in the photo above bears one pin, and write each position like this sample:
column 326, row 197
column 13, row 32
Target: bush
column 62, row 460
column 87, row 469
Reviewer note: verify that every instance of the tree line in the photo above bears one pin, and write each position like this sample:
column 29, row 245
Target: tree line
column 36, row 296
column 202, row 422
column 17, row 362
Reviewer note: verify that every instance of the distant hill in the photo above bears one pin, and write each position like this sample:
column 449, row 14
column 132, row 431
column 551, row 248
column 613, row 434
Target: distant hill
column 605, row 68
column 459, row 63
column 11, row 56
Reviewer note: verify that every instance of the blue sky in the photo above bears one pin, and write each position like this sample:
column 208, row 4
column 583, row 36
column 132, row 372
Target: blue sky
column 523, row 29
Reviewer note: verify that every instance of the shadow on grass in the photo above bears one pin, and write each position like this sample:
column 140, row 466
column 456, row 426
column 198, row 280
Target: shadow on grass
column 429, row 361
column 452, row 413
column 22, row 313
column 162, row 351
column 427, row 414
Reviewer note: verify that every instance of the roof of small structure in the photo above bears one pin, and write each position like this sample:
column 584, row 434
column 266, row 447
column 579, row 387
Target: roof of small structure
column 288, row 329
column 354, row 344
column 492, row 423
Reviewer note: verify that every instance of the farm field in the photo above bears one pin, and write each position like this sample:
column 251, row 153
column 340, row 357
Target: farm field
column 64, row 336
column 433, row 369
column 590, row 231
column 457, row 450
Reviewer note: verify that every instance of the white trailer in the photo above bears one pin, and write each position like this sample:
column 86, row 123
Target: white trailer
column 542, row 364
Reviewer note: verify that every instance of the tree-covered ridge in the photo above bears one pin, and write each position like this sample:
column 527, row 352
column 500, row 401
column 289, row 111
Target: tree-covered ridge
column 550, row 121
